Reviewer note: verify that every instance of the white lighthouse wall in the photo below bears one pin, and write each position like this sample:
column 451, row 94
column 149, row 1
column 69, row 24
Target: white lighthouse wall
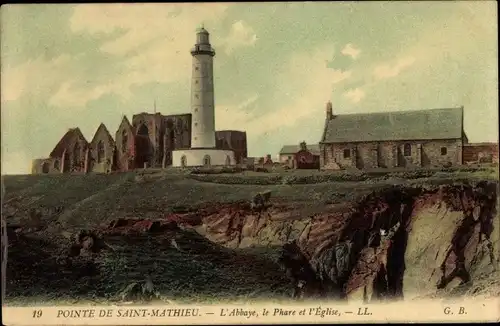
column 202, row 102
column 196, row 157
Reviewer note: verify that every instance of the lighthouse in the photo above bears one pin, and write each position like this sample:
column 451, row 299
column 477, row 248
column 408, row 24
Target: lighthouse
column 203, row 150
column 202, row 92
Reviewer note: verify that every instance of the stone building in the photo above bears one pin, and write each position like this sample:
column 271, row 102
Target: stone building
column 67, row 156
column 423, row 138
column 233, row 140
column 480, row 153
column 288, row 152
column 146, row 142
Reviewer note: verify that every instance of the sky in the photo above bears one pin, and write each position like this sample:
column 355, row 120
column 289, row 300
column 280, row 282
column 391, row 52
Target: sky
column 276, row 66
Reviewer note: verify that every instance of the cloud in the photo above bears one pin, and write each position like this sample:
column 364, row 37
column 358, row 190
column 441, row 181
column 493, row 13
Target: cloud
column 240, row 35
column 355, row 95
column 35, row 76
column 388, row 71
column 234, row 116
column 155, row 49
column 305, row 85
column 351, row 51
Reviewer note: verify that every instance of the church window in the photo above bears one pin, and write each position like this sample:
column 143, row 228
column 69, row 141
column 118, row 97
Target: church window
column 183, row 160
column 124, row 141
column 347, row 153
column 206, row 160
column 57, row 166
column 195, row 109
column 228, row 160
column 444, row 150
column 407, row 149
column 196, row 68
column 196, row 124
column 196, row 96
column 196, row 81
column 45, row 167
column 76, row 152
column 100, row 152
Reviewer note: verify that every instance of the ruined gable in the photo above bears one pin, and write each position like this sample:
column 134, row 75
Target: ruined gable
column 70, row 150
column 125, row 146
column 102, row 151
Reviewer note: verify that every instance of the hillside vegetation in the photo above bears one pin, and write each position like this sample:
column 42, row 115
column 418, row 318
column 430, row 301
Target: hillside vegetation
column 226, row 251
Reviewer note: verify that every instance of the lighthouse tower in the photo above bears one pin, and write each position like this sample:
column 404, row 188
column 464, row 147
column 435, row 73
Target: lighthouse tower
column 203, row 151
column 202, row 92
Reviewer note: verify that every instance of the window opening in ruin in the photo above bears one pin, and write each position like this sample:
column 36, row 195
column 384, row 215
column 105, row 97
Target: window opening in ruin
column 124, row 141
column 143, row 130
column 347, row 153
column 183, row 161
column 100, row 152
column 45, row 167
column 206, row 160
column 407, row 149
column 228, row 160
column 57, row 165
column 444, row 150
column 76, row 152
column 172, row 139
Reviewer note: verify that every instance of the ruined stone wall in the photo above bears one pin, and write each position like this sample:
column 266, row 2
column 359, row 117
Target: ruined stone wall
column 176, row 135
column 74, row 156
column 104, row 161
column 237, row 141
column 480, row 153
column 125, row 148
column 46, row 166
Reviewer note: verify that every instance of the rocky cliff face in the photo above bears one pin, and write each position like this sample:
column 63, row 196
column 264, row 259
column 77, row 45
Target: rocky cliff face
column 400, row 242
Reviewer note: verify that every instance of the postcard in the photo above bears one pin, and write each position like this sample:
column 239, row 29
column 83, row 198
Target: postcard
column 249, row 163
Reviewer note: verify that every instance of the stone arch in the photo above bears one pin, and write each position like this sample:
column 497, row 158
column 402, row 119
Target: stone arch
column 124, row 141
column 183, row 161
column 57, row 165
column 100, row 152
column 76, row 153
column 45, row 167
column 66, row 162
column 142, row 145
column 143, row 130
column 206, row 160
column 228, row 160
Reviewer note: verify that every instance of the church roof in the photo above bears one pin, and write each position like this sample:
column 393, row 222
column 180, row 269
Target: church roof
column 402, row 125
column 67, row 140
column 292, row 149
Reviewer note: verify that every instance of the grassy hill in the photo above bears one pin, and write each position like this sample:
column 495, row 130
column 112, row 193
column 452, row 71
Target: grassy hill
column 203, row 270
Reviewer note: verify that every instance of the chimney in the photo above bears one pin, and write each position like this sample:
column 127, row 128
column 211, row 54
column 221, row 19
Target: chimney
column 329, row 111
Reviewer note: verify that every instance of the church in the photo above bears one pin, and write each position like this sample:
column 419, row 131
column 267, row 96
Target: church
column 153, row 140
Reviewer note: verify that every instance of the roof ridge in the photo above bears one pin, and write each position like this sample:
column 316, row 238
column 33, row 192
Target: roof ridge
column 401, row 111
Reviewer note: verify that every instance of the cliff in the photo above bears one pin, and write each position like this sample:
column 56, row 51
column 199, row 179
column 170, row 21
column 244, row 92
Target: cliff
column 357, row 241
